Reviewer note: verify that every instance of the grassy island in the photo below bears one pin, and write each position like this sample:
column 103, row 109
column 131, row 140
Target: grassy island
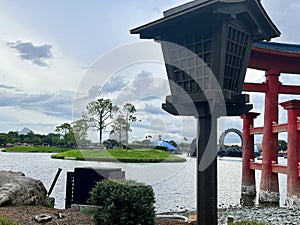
column 42, row 149
column 113, row 155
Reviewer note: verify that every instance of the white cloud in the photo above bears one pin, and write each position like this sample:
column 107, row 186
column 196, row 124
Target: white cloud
column 65, row 41
column 62, row 73
column 17, row 118
column 254, row 76
column 36, row 54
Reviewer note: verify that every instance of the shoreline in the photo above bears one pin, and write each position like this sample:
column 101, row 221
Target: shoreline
column 270, row 215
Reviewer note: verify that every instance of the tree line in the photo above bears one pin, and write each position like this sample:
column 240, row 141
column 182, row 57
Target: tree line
column 98, row 115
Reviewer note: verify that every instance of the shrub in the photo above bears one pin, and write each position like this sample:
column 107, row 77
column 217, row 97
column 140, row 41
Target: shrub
column 6, row 221
column 138, row 146
column 144, row 146
column 123, row 202
column 164, row 148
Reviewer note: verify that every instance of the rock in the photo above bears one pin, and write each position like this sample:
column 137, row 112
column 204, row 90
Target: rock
column 192, row 220
column 60, row 216
column 43, row 218
column 17, row 189
column 3, row 198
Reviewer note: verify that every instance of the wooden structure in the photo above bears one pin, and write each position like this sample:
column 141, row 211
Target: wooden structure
column 274, row 58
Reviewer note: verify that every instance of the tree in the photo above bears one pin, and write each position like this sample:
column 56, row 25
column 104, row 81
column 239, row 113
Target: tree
column 12, row 137
column 80, row 128
column 98, row 115
column 119, row 128
column 28, row 138
column 282, row 145
column 64, row 129
column 52, row 139
column 127, row 112
column 110, row 143
column 3, row 139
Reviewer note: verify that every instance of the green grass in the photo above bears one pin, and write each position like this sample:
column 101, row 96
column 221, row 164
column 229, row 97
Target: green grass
column 112, row 155
column 6, row 221
column 44, row 149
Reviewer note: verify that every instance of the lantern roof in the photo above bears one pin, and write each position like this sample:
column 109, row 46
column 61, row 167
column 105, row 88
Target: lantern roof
column 204, row 12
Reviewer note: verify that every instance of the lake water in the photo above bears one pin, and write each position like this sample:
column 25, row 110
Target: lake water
column 173, row 183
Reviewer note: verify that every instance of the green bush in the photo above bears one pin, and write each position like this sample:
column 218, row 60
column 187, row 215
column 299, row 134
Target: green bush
column 6, row 221
column 164, row 148
column 123, row 202
column 143, row 146
column 138, row 146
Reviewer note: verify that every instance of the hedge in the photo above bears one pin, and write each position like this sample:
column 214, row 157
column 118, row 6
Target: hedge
column 123, row 202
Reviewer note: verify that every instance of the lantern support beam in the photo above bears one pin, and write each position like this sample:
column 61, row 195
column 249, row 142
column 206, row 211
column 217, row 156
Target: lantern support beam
column 207, row 194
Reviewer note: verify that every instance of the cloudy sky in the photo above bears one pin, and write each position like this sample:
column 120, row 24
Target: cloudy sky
column 49, row 49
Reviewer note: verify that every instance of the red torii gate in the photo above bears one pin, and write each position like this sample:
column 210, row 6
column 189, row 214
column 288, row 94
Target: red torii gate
column 274, row 58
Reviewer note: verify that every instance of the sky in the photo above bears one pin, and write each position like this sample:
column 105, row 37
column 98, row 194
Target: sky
column 49, row 51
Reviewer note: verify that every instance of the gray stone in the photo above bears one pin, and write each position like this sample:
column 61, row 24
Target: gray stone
column 293, row 201
column 43, row 218
column 269, row 197
column 249, row 190
column 283, row 215
column 17, row 189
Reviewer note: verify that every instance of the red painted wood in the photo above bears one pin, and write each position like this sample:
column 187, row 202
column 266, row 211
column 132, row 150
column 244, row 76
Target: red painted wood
column 282, row 89
column 276, row 62
column 269, row 180
column 255, row 166
column 248, row 175
column 278, row 128
column 289, row 89
column 256, row 130
column 276, row 168
column 293, row 156
column 254, row 87
column 267, row 59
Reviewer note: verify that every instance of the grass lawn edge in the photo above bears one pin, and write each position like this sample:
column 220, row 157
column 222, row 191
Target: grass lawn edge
column 69, row 155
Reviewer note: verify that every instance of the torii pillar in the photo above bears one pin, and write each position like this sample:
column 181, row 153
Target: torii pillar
column 269, row 187
column 248, row 175
column 293, row 149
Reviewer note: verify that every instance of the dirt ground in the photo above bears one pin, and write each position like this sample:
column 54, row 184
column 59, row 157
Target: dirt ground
column 24, row 215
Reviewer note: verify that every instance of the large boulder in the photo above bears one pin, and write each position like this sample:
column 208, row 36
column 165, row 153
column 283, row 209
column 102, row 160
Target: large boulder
column 17, row 189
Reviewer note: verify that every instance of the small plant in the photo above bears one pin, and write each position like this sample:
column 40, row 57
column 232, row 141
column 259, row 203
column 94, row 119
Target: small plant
column 50, row 202
column 248, row 222
column 123, row 202
column 6, row 221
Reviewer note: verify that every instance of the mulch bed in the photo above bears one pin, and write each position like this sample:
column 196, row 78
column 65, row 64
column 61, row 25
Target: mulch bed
column 24, row 215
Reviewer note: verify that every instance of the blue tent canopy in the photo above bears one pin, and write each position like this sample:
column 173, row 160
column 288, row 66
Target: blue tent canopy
column 164, row 143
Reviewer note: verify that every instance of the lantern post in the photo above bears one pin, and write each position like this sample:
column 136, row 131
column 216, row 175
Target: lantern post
column 206, row 46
